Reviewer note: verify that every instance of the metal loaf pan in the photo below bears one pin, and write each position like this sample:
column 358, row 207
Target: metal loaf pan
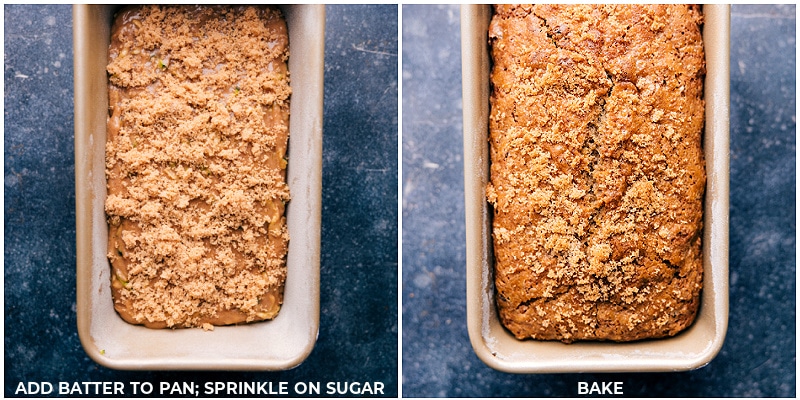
column 493, row 344
column 280, row 344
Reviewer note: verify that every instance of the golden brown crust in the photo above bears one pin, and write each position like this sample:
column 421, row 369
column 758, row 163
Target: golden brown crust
column 597, row 171
column 195, row 167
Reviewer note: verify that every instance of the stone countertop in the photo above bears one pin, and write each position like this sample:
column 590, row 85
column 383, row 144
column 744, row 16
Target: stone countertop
column 758, row 356
column 358, row 323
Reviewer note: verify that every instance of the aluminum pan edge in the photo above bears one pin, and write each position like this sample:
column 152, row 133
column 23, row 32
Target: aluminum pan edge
column 280, row 344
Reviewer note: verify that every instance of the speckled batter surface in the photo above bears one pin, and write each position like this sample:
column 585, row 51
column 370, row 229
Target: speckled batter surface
column 195, row 162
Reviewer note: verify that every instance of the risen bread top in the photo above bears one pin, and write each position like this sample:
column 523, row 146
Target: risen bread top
column 597, row 171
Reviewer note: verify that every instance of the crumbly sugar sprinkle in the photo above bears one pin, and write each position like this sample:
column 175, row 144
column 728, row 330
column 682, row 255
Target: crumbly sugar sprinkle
column 196, row 159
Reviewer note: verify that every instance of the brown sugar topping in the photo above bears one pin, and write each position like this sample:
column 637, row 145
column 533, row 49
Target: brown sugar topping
column 196, row 162
column 597, row 171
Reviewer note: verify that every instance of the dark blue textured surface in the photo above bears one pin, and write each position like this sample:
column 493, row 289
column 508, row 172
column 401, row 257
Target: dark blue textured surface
column 758, row 357
column 358, row 322
column 358, row 330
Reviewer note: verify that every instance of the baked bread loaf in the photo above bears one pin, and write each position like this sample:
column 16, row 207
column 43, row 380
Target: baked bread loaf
column 597, row 171
column 195, row 164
